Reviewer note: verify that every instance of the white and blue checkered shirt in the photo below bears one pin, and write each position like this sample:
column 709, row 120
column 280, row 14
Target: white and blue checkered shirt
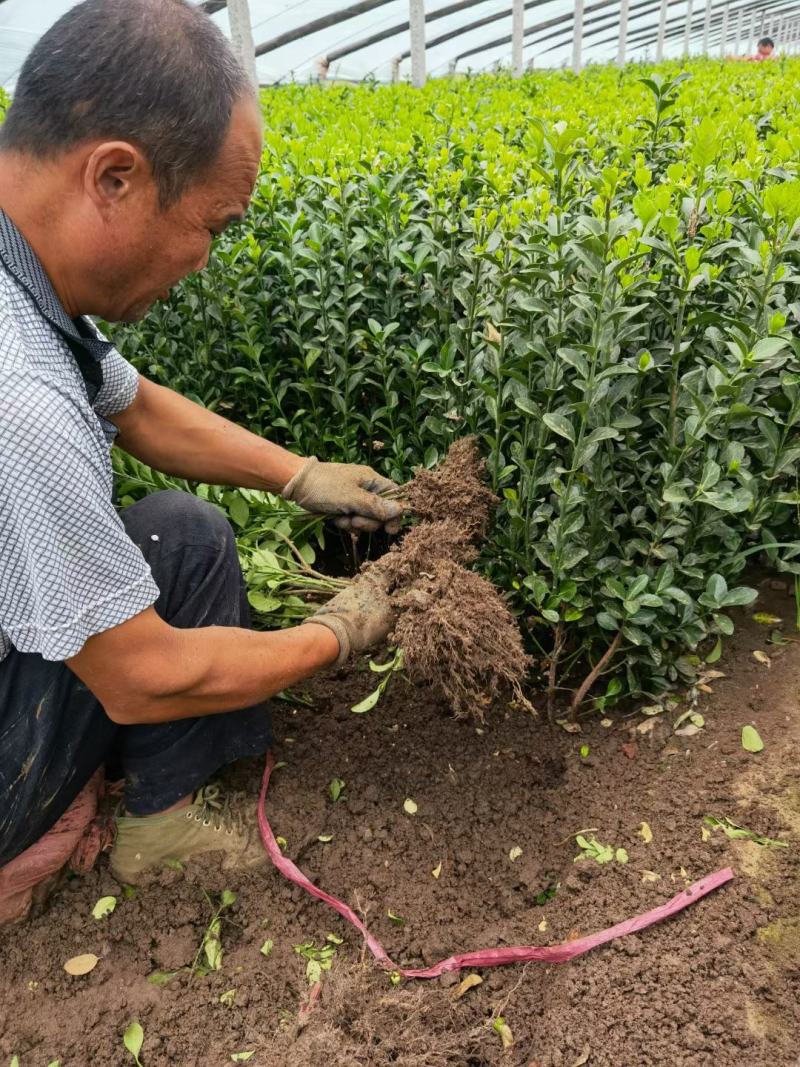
column 68, row 570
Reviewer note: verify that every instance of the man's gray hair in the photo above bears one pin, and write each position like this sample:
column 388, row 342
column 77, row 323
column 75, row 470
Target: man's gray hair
column 157, row 73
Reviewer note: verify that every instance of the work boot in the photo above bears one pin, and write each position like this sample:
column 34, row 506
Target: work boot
column 213, row 822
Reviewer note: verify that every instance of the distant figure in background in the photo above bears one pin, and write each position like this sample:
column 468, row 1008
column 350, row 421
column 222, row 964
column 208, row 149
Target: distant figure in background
column 764, row 50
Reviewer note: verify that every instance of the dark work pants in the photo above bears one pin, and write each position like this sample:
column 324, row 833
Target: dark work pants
column 53, row 732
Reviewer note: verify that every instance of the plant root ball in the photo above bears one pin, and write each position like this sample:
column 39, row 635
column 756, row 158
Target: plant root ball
column 420, row 550
column 459, row 637
column 455, row 490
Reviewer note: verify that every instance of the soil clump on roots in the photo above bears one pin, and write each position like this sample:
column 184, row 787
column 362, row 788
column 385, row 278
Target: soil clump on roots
column 455, row 629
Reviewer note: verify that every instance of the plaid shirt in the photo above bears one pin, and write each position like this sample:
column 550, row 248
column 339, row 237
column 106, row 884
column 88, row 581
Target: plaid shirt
column 68, row 570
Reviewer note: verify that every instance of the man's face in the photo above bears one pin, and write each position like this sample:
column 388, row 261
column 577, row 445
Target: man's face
column 145, row 250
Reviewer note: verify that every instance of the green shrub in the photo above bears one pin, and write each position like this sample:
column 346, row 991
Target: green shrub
column 597, row 276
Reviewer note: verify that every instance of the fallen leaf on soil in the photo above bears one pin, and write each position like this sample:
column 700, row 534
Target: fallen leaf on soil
column 570, row 727
column 515, row 853
column 751, row 739
column 228, row 997
column 542, row 926
column 762, row 657
column 630, row 749
column 133, row 1039
column 467, row 983
column 605, row 723
column 437, row 870
column 715, row 652
column 695, row 719
column 266, row 948
column 650, row 876
column 103, row 907
column 583, row 1058
column 242, row 1057
column 736, row 832
column 763, row 618
column 646, row 726
column 325, row 838
column 409, row 807
column 705, row 833
column 501, row 1028
column 652, row 709
column 621, row 855
column 398, row 920
column 79, row 965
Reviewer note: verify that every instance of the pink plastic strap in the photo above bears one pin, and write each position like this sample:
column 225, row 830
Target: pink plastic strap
column 485, row 957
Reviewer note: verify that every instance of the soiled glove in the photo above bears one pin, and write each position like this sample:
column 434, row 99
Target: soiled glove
column 347, row 491
column 360, row 616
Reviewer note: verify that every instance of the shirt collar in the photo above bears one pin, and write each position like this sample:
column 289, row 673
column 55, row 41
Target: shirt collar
column 22, row 263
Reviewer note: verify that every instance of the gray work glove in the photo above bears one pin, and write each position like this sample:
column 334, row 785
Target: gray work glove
column 347, row 491
column 360, row 616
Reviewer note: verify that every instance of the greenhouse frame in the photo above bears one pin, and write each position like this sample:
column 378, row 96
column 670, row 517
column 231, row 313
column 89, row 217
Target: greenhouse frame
column 415, row 39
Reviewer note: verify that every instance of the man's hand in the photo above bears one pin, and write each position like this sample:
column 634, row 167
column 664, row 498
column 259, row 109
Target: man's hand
column 360, row 616
column 349, row 492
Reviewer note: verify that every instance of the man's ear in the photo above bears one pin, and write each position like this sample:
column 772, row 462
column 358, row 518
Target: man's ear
column 113, row 171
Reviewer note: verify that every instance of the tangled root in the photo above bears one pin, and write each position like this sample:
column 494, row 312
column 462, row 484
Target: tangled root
column 456, row 490
column 459, row 637
column 456, row 631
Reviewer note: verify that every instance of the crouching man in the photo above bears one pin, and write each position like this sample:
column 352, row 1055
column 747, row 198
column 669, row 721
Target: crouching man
column 134, row 137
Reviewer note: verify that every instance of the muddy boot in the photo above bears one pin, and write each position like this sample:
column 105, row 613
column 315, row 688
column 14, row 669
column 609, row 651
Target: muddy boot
column 214, row 822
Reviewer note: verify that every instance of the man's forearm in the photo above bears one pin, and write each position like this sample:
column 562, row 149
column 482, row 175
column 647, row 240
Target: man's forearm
column 176, row 436
column 163, row 673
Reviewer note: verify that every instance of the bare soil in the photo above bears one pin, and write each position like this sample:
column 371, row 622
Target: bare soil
column 717, row 985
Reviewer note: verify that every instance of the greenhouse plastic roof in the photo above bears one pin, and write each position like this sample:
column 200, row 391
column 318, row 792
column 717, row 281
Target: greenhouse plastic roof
column 23, row 21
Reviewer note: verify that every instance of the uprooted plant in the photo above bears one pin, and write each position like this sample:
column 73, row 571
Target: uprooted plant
column 456, row 632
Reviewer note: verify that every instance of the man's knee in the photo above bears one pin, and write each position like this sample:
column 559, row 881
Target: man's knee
column 174, row 519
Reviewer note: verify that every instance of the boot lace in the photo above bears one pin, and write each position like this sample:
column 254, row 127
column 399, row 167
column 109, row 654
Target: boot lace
column 219, row 808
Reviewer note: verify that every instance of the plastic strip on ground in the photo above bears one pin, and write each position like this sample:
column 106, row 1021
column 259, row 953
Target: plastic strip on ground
column 485, row 957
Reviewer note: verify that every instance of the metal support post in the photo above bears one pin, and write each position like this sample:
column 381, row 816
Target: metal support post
column 242, row 37
column 395, row 75
column 739, row 30
column 623, row 32
column 723, row 37
column 662, row 29
column 517, row 31
column 707, row 26
column 751, row 39
column 416, row 11
column 687, row 33
column 577, row 37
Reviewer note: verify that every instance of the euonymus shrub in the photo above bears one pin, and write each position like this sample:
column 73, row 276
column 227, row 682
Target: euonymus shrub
column 597, row 276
